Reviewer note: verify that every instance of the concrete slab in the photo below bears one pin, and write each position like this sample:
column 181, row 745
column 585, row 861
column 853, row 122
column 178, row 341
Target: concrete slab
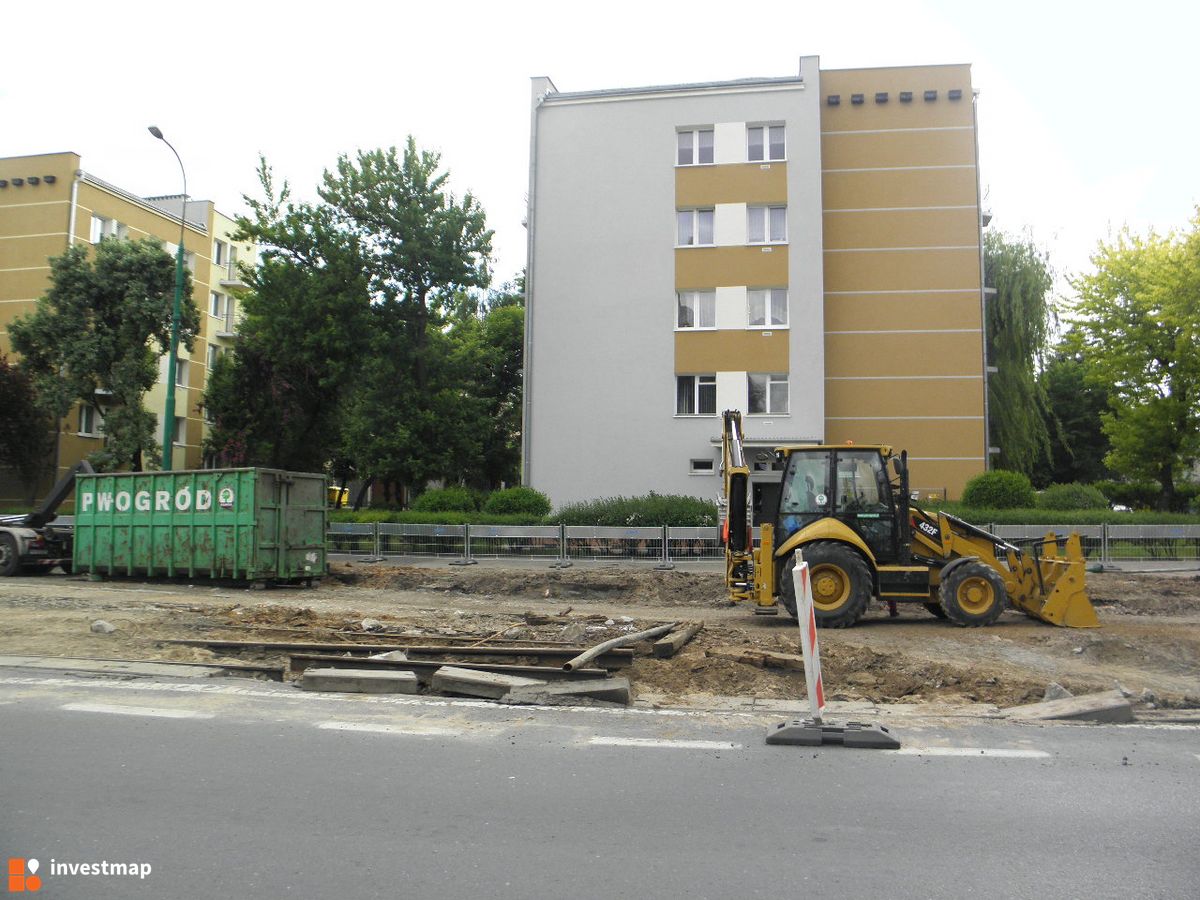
column 1109, row 706
column 477, row 683
column 359, row 681
column 109, row 666
column 612, row 690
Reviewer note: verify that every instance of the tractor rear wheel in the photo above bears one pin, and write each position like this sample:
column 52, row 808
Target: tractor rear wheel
column 934, row 608
column 841, row 583
column 973, row 594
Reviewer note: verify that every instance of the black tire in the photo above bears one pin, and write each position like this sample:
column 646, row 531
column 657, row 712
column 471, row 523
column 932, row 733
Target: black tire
column 841, row 583
column 10, row 560
column 934, row 608
column 973, row 595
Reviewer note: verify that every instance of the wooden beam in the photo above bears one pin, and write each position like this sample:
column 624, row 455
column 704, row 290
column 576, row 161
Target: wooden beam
column 298, row 662
column 670, row 644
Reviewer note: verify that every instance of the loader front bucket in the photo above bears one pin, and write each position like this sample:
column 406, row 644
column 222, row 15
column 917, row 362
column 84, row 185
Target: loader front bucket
column 1059, row 594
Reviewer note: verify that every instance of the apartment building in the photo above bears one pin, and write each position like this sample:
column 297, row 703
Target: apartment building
column 47, row 203
column 804, row 249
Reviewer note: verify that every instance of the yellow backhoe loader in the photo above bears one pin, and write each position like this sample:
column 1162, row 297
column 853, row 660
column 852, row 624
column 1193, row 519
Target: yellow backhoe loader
column 846, row 509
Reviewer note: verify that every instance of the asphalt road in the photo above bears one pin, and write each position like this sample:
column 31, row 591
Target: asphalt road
column 236, row 789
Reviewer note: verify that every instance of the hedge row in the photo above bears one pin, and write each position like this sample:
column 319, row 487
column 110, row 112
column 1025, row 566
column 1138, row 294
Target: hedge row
column 1036, row 516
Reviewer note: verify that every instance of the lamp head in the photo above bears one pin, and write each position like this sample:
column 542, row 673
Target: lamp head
column 156, row 131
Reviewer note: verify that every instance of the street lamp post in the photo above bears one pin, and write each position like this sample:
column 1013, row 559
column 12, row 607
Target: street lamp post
column 173, row 355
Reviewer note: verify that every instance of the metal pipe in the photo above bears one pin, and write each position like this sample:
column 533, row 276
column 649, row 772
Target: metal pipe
column 588, row 655
column 168, row 441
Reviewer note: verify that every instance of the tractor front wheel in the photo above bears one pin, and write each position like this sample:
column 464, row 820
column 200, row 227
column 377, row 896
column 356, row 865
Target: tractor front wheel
column 841, row 583
column 973, row 595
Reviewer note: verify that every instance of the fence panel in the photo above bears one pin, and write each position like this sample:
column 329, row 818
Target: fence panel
column 684, row 544
column 351, row 537
column 1154, row 543
column 605, row 543
column 421, row 540
column 514, row 541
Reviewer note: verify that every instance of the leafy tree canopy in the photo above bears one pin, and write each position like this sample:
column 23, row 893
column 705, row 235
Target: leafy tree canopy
column 1137, row 323
column 101, row 328
column 25, row 429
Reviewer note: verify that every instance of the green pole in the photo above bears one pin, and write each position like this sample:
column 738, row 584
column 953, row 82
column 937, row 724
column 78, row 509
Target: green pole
column 168, row 442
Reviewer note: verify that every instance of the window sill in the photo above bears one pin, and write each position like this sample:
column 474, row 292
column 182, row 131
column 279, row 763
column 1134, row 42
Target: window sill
column 767, row 328
column 765, row 162
column 702, row 165
column 696, row 328
column 768, row 415
column 86, row 434
column 694, row 246
column 695, row 415
column 766, row 243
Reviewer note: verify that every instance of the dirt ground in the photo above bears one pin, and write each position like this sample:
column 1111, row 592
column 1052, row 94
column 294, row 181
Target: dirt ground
column 1150, row 639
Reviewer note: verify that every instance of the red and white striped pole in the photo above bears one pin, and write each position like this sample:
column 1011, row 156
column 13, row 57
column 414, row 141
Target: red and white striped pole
column 809, row 647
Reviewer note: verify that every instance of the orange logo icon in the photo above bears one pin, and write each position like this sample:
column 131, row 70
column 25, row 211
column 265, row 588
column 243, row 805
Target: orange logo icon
column 18, row 881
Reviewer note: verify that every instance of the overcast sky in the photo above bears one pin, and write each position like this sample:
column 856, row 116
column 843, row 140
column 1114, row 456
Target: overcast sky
column 1087, row 119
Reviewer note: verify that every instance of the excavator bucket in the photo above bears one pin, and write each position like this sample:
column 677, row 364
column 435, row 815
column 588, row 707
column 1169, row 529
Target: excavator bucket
column 1059, row 594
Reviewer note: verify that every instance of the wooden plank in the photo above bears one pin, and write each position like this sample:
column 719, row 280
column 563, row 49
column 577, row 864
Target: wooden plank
column 764, row 659
column 670, row 644
column 298, row 662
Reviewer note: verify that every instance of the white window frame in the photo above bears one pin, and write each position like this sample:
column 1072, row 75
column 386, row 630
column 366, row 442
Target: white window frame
column 217, row 305
column 765, row 128
column 767, row 297
column 772, row 379
column 698, row 381
column 101, row 228
column 694, row 149
column 91, row 421
column 694, row 226
column 179, row 436
column 702, row 466
column 699, row 302
column 181, row 372
column 220, row 256
column 211, row 356
column 769, row 237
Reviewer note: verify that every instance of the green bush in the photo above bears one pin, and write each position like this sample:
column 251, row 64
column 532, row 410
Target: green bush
column 650, row 510
column 1072, row 496
column 523, row 500
column 417, row 517
column 999, row 489
column 450, row 499
column 983, row 517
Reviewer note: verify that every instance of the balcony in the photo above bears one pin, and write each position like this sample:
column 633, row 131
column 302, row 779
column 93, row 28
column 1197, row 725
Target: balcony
column 231, row 276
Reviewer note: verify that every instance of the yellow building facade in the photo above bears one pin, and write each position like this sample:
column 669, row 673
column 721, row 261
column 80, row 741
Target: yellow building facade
column 47, row 203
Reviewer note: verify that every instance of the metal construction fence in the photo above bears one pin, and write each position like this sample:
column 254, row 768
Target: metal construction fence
column 665, row 546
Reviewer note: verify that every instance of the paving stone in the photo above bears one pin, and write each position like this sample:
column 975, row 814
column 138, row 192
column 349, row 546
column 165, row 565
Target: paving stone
column 1108, row 706
column 477, row 683
column 613, row 690
column 359, row 681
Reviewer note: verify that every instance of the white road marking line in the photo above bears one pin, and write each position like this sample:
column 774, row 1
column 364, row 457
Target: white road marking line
column 155, row 711
column 656, row 742
column 380, row 728
column 972, row 751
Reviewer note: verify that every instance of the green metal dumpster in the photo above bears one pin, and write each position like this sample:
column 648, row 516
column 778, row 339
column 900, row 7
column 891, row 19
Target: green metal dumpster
column 256, row 524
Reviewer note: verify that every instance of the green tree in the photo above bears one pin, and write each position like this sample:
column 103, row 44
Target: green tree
column 1137, row 323
column 422, row 249
column 1018, row 322
column 101, row 328
column 25, row 429
column 306, row 326
column 1075, row 405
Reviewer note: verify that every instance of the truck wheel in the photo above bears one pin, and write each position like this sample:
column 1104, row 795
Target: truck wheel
column 974, row 595
column 934, row 608
column 9, row 560
column 841, row 583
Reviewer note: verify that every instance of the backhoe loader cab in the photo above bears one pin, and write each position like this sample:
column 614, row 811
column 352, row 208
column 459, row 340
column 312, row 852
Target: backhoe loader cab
column 846, row 509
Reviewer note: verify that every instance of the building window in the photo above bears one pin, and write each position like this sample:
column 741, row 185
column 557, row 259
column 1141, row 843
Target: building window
column 180, row 436
column 696, row 309
column 765, row 142
column 219, row 256
column 701, row 467
column 181, row 373
column 213, row 352
column 767, row 224
column 696, row 395
column 216, row 304
column 695, row 227
column 695, row 147
column 91, row 420
column 767, row 308
column 103, row 228
column 768, row 394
